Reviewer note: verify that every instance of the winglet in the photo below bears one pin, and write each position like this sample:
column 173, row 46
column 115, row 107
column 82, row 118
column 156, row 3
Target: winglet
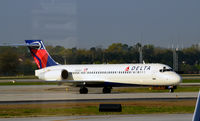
column 196, row 115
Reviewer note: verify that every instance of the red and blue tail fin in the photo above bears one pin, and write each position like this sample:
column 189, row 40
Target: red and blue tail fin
column 40, row 54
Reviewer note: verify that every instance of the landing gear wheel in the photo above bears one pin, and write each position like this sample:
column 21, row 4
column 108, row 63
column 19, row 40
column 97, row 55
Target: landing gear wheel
column 83, row 90
column 107, row 90
column 171, row 90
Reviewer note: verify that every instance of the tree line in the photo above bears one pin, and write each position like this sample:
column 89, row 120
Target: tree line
column 18, row 60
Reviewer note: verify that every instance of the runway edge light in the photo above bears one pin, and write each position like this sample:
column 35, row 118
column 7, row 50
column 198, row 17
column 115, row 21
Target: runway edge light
column 196, row 115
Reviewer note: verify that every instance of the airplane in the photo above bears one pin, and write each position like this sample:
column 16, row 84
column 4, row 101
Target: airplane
column 196, row 115
column 101, row 75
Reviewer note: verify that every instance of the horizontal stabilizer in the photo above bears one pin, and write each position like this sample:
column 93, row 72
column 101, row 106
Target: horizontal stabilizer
column 16, row 45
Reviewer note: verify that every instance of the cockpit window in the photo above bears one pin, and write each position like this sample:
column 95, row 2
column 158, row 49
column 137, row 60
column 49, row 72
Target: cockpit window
column 165, row 69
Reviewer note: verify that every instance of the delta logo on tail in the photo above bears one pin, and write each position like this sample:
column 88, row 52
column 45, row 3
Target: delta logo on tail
column 39, row 53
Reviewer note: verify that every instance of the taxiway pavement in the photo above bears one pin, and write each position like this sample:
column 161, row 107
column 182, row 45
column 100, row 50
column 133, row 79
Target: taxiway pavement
column 55, row 92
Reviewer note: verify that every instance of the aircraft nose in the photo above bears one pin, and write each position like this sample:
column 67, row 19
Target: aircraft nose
column 176, row 78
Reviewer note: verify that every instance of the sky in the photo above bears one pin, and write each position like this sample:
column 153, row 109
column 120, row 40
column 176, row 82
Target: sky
column 99, row 23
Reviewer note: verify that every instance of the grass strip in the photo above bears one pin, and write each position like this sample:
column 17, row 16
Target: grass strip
column 63, row 109
column 191, row 81
column 189, row 75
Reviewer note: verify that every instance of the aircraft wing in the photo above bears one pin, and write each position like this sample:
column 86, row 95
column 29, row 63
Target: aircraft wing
column 91, row 83
column 16, row 45
column 97, row 83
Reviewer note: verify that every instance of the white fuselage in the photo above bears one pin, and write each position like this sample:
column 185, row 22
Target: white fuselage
column 134, row 74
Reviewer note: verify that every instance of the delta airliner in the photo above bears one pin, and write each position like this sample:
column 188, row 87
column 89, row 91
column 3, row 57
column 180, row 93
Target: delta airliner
column 101, row 75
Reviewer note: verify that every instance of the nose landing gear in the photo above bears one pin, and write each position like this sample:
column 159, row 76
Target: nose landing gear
column 171, row 88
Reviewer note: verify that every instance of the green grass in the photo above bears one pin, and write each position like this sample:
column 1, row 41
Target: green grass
column 188, row 89
column 157, row 109
column 186, row 75
column 191, row 81
column 93, row 110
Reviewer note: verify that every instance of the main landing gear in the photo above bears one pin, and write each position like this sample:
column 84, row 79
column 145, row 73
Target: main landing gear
column 107, row 90
column 171, row 90
column 83, row 90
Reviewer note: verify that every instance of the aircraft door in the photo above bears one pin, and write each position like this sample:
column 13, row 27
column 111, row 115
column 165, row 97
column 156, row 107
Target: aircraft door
column 154, row 77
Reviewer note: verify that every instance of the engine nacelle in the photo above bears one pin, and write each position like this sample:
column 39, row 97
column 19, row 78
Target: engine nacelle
column 54, row 75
